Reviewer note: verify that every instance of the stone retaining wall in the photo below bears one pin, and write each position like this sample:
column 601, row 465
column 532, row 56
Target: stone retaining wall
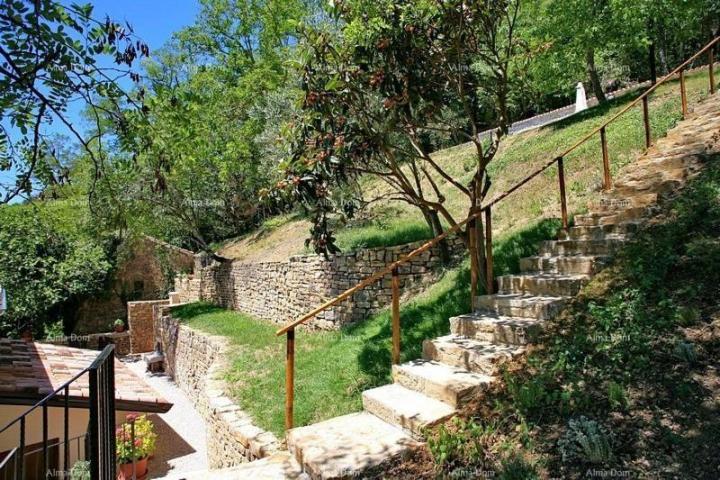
column 197, row 361
column 141, row 317
column 281, row 291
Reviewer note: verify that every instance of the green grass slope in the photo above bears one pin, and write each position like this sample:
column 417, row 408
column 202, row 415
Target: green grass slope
column 392, row 223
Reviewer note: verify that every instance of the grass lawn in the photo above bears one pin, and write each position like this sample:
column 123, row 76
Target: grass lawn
column 393, row 223
column 333, row 368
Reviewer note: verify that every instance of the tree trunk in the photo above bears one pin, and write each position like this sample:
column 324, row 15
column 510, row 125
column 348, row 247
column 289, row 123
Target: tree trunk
column 652, row 62
column 433, row 220
column 594, row 76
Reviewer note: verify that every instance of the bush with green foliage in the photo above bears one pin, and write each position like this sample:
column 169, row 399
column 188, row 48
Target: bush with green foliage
column 44, row 269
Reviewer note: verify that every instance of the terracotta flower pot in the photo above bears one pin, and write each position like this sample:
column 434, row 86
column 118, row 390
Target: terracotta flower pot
column 119, row 328
column 126, row 470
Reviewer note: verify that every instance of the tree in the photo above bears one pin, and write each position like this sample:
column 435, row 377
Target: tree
column 49, row 59
column 201, row 151
column 374, row 89
column 44, row 267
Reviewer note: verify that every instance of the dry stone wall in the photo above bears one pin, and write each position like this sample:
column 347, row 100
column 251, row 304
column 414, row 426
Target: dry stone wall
column 280, row 291
column 197, row 361
column 141, row 317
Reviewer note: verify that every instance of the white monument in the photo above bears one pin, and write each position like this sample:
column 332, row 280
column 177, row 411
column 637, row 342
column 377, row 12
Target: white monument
column 3, row 300
column 580, row 98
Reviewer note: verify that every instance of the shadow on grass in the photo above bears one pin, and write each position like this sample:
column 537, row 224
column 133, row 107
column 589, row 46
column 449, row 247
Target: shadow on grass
column 428, row 316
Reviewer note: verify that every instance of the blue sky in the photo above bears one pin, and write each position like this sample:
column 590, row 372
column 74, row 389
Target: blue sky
column 154, row 22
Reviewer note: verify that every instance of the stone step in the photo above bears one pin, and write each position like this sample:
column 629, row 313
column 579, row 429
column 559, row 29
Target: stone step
column 658, row 188
column 526, row 306
column 565, row 264
column 350, row 446
column 660, row 162
column 552, row 285
column 279, row 466
column 606, row 246
column 410, row 410
column 452, row 385
column 472, row 355
column 617, row 201
column 598, row 232
column 487, row 327
column 629, row 214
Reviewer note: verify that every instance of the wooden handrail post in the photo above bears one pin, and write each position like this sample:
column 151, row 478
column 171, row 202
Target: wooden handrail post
column 563, row 198
column 395, row 316
column 683, row 94
column 474, row 263
column 289, row 378
column 646, row 120
column 607, row 179
column 489, row 277
column 711, row 64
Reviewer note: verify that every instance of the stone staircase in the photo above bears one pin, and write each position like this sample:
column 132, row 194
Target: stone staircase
column 458, row 367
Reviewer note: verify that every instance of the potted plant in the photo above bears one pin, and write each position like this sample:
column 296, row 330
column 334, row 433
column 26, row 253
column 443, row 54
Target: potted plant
column 135, row 443
column 119, row 325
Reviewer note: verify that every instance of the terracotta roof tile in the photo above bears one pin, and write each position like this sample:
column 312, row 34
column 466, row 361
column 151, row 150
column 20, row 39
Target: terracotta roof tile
column 36, row 369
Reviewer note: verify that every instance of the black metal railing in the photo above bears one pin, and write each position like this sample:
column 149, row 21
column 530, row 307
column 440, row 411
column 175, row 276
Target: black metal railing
column 99, row 441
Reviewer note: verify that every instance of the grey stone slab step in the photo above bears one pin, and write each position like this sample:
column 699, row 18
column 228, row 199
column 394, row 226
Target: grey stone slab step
column 472, row 355
column 408, row 409
column 279, row 466
column 618, row 201
column 350, row 446
column 452, row 385
column 606, row 246
column 546, row 284
column 495, row 328
column 526, row 306
column 598, row 232
column 565, row 264
column 629, row 214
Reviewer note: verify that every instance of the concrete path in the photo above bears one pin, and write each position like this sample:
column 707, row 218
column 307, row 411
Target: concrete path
column 553, row 116
column 181, row 445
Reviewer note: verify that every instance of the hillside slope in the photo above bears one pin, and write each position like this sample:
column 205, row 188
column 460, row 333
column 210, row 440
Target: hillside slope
column 386, row 223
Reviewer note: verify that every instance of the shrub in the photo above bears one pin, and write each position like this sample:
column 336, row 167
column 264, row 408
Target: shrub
column 585, row 441
column 80, row 470
column 517, row 468
column 616, row 396
column 685, row 352
column 462, row 442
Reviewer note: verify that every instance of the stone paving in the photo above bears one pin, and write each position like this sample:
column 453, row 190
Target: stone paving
column 181, row 445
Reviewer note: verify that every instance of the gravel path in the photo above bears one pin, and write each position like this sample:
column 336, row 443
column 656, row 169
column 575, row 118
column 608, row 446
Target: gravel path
column 181, row 445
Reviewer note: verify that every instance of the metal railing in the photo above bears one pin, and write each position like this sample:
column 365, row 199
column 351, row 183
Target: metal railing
column 486, row 212
column 100, row 445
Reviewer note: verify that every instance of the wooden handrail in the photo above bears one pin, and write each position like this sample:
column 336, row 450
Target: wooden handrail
column 474, row 243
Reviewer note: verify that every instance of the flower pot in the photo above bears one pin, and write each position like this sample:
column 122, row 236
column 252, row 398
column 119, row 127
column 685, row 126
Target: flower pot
column 126, row 470
column 119, row 328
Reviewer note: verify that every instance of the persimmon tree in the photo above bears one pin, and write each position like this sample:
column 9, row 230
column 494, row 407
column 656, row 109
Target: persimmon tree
column 374, row 88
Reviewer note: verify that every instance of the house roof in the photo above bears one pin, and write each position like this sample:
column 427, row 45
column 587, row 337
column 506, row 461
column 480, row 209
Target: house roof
column 29, row 371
